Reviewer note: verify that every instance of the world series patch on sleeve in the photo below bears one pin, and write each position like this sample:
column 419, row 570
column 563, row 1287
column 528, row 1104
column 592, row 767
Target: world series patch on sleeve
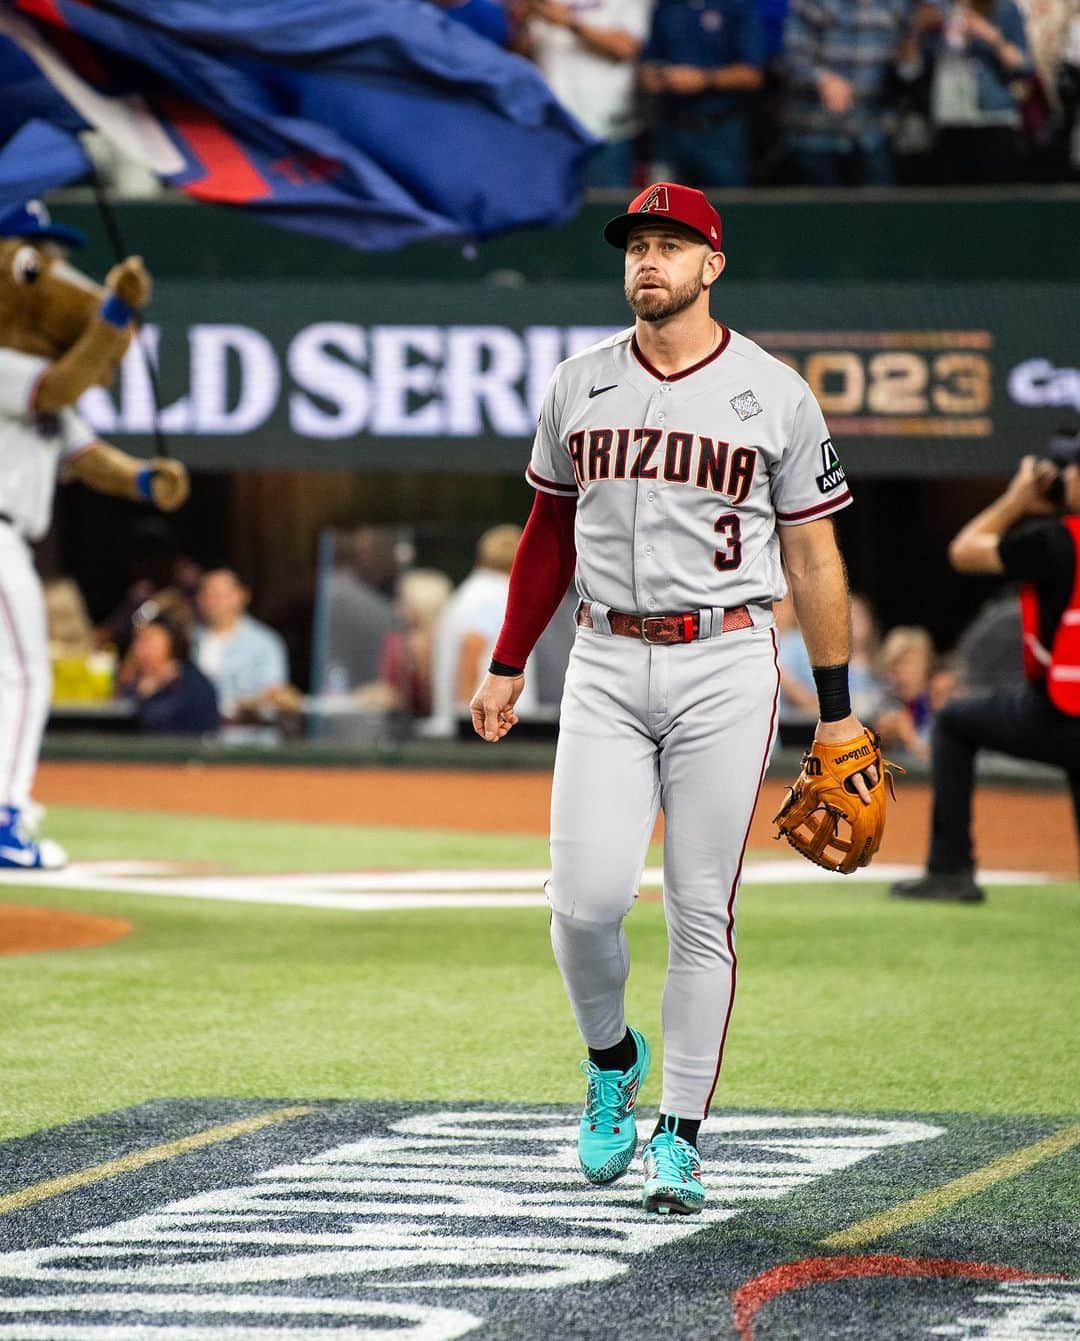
column 823, row 816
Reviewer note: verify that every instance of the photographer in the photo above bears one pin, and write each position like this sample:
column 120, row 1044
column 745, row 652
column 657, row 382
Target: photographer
column 1032, row 535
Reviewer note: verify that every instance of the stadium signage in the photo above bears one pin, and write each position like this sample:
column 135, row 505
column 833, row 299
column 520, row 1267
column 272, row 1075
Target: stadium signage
column 337, row 380
column 913, row 378
column 1038, row 382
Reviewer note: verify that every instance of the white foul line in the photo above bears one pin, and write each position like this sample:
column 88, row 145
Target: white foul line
column 391, row 891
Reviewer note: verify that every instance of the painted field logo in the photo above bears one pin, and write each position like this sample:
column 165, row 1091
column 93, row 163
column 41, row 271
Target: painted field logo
column 429, row 1227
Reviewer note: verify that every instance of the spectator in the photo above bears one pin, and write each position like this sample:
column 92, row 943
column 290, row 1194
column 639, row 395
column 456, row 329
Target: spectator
column 80, row 673
column 158, row 574
column 70, row 632
column 586, row 50
column 407, row 656
column 244, row 659
column 904, row 714
column 1068, row 87
column 485, row 17
column 798, row 696
column 773, row 17
column 171, row 695
column 1047, row 24
column 977, row 60
column 866, row 687
column 353, row 608
column 839, row 55
column 988, row 651
column 944, row 683
column 467, row 630
column 703, row 60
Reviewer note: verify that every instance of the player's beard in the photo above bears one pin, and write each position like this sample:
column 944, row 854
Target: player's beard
column 661, row 304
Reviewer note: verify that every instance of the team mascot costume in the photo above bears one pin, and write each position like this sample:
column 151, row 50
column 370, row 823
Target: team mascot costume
column 60, row 334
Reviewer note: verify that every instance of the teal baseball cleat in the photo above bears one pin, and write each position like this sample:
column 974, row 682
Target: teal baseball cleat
column 607, row 1135
column 672, row 1173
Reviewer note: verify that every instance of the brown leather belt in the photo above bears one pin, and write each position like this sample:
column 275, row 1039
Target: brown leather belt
column 661, row 630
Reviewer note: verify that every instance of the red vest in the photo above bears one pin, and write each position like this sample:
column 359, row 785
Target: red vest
column 1058, row 668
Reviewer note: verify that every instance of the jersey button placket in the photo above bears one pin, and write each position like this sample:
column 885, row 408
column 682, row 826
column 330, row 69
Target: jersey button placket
column 647, row 522
column 659, row 658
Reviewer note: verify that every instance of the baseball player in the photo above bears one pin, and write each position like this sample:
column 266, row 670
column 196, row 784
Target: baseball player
column 59, row 334
column 683, row 470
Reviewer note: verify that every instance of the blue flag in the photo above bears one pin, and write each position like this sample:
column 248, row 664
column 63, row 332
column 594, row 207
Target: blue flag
column 373, row 122
column 36, row 158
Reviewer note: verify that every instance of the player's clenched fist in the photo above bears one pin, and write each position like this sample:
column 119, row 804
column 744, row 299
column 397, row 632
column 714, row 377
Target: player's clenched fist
column 492, row 705
column 170, row 485
column 130, row 280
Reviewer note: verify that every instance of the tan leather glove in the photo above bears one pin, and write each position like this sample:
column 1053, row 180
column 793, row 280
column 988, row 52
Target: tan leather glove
column 824, row 818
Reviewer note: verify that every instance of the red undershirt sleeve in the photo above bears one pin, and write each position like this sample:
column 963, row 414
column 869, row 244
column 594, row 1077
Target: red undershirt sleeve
column 543, row 567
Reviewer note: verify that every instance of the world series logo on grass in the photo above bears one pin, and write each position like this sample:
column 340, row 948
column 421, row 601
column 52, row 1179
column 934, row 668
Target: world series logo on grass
column 413, row 1223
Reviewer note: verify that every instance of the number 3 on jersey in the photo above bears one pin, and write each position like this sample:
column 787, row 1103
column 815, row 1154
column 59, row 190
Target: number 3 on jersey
column 727, row 527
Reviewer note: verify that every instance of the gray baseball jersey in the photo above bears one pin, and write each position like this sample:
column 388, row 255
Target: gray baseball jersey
column 682, row 480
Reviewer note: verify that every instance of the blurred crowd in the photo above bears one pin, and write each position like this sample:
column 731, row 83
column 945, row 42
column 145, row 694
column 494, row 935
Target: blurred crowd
column 404, row 642
column 180, row 649
column 731, row 93
column 900, row 681
column 183, row 652
column 819, row 92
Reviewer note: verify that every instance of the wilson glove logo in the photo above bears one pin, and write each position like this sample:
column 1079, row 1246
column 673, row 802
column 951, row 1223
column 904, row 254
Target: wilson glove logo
column 852, row 754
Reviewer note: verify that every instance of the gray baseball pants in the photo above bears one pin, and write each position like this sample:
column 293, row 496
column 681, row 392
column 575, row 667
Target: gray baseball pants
column 685, row 728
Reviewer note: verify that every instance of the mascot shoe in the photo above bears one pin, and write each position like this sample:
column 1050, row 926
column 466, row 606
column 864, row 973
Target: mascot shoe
column 20, row 852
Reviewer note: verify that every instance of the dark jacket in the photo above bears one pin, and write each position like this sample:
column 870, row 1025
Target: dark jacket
column 186, row 707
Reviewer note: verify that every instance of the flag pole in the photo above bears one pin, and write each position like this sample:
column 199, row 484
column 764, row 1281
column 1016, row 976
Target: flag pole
column 116, row 241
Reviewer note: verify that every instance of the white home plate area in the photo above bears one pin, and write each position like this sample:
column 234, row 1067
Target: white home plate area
column 382, row 891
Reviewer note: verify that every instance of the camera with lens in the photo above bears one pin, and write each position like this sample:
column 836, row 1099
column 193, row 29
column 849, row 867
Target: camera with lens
column 1063, row 449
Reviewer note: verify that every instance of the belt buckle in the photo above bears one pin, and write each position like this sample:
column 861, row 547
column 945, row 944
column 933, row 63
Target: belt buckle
column 662, row 639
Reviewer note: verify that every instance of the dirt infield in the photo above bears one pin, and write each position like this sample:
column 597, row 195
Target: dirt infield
column 1015, row 829
column 26, row 930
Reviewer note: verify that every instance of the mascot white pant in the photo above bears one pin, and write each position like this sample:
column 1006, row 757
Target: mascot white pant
column 25, row 672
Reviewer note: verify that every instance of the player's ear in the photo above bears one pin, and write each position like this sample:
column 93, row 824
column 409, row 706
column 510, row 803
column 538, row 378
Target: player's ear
column 713, row 268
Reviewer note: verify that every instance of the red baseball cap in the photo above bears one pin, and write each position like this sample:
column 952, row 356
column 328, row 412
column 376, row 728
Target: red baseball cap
column 667, row 200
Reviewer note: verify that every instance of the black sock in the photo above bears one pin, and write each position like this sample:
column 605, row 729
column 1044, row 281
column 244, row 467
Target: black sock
column 687, row 1128
column 619, row 1058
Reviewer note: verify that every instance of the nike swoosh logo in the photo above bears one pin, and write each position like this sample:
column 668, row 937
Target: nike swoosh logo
column 18, row 856
column 599, row 390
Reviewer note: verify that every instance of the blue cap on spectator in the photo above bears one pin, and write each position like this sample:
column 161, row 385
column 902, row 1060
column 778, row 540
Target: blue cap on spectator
column 31, row 221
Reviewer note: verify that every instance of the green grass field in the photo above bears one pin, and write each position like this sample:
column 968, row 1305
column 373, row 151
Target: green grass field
column 847, row 1001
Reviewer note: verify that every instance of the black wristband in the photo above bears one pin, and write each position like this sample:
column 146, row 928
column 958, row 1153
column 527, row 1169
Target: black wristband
column 501, row 668
column 834, row 698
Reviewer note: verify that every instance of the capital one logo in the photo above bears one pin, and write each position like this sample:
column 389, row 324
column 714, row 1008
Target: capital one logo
column 1039, row 382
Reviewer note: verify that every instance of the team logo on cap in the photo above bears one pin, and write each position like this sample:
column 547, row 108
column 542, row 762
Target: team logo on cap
column 657, row 200
column 745, row 405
